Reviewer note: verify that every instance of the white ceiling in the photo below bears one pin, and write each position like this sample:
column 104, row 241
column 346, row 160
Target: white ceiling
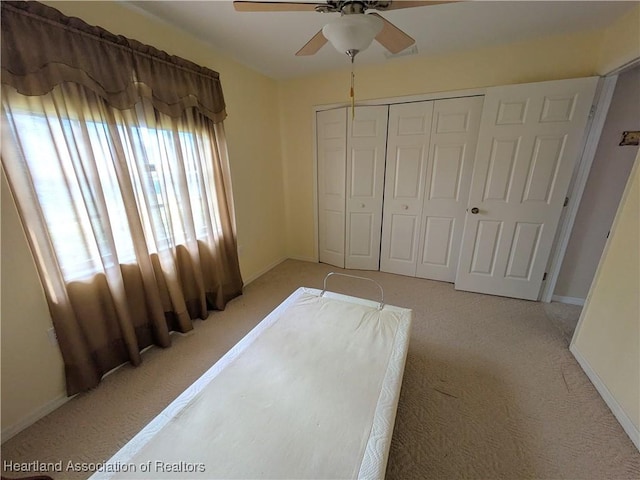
column 267, row 41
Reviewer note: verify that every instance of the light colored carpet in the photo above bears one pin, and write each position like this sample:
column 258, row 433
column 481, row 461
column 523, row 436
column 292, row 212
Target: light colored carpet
column 490, row 389
column 564, row 317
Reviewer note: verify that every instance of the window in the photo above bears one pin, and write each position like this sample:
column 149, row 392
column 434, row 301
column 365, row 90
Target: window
column 161, row 165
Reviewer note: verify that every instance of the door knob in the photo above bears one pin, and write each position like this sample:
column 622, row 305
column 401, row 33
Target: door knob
column 362, row 205
column 405, row 207
column 475, row 210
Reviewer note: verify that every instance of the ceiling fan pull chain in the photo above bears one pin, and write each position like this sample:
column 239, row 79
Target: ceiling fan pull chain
column 352, row 92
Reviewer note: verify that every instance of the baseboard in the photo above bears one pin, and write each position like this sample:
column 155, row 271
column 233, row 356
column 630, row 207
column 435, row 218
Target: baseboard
column 33, row 417
column 569, row 300
column 253, row 277
column 612, row 403
column 302, row 259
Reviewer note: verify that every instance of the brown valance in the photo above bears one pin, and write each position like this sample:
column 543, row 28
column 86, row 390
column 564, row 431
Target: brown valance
column 42, row 48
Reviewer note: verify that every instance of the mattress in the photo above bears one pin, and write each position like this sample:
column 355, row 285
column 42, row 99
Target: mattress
column 311, row 392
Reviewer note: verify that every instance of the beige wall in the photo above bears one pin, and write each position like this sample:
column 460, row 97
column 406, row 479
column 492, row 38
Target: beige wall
column 32, row 377
column 553, row 58
column 607, row 179
column 32, row 370
column 621, row 42
column 608, row 336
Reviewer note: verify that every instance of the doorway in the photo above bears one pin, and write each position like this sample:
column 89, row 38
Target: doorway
column 606, row 182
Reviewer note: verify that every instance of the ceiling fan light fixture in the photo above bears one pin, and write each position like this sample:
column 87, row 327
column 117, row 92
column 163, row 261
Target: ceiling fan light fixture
column 353, row 33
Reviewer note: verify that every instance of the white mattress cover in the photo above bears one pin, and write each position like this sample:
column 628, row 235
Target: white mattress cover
column 313, row 419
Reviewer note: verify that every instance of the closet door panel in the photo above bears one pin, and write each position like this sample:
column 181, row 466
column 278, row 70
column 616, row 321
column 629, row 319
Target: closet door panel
column 407, row 154
column 331, row 135
column 366, row 148
column 454, row 134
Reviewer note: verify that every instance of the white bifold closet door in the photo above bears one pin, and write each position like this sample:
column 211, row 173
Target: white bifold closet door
column 351, row 164
column 530, row 139
column 366, row 149
column 331, row 134
column 407, row 153
column 452, row 150
column 430, row 153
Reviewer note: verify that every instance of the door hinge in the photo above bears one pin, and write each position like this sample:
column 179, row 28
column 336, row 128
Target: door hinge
column 566, row 201
column 592, row 112
column 544, row 277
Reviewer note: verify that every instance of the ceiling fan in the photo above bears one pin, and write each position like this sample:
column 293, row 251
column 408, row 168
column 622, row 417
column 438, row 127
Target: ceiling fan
column 354, row 31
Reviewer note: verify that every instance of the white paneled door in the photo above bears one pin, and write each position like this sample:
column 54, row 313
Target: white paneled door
column 351, row 163
column 530, row 138
column 366, row 145
column 407, row 154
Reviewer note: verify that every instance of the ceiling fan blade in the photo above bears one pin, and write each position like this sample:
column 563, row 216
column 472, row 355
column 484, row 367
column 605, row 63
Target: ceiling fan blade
column 391, row 37
column 397, row 4
column 247, row 6
column 313, row 45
